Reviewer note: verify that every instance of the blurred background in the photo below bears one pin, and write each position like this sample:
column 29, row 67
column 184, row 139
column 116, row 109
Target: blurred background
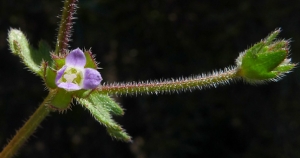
column 154, row 39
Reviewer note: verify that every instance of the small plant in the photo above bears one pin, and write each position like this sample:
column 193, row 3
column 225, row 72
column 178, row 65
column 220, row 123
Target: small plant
column 73, row 76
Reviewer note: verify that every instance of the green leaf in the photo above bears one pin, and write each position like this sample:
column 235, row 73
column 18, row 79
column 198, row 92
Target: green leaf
column 31, row 57
column 43, row 53
column 107, row 102
column 102, row 115
column 19, row 46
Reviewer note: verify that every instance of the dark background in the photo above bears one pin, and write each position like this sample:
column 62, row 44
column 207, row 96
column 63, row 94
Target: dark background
column 154, row 39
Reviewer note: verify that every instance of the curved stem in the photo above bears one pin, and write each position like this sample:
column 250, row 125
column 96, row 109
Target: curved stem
column 172, row 85
column 27, row 130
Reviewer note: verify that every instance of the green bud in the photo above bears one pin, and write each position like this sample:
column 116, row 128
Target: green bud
column 265, row 61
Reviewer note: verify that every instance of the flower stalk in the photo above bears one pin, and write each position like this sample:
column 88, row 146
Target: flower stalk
column 171, row 85
column 65, row 27
column 27, row 130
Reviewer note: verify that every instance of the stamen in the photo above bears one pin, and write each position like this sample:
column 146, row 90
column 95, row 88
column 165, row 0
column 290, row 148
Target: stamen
column 70, row 77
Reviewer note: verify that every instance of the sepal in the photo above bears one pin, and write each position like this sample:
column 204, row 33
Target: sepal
column 59, row 60
column 61, row 100
column 90, row 60
column 49, row 75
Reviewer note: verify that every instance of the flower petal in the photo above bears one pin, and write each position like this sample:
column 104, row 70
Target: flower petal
column 59, row 74
column 92, row 79
column 76, row 58
column 69, row 86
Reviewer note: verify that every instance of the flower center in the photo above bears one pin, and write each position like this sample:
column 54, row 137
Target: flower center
column 72, row 75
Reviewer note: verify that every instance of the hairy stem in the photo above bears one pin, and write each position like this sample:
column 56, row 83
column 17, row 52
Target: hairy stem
column 27, row 130
column 65, row 27
column 172, row 85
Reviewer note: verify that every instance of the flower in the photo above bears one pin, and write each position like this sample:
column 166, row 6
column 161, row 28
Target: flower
column 74, row 76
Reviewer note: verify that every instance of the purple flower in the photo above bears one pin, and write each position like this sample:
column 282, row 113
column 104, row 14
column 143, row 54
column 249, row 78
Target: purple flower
column 73, row 76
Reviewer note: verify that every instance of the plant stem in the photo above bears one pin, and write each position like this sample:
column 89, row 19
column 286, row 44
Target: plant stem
column 65, row 27
column 172, row 85
column 27, row 130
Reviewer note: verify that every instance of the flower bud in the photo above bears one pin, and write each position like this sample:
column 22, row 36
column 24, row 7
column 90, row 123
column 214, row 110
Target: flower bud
column 265, row 61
